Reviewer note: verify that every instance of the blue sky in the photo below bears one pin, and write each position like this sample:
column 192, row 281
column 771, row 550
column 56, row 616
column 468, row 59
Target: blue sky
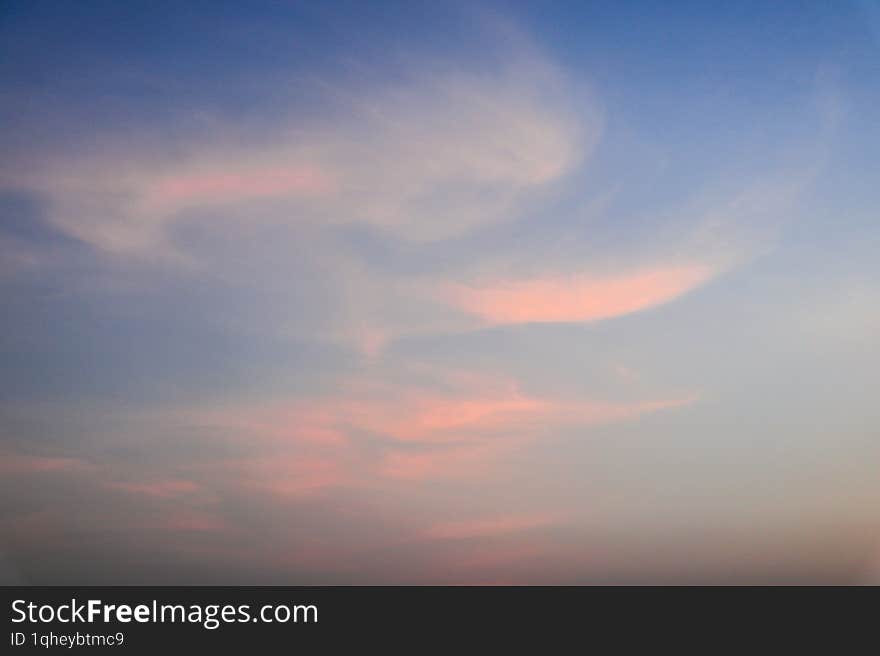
column 420, row 293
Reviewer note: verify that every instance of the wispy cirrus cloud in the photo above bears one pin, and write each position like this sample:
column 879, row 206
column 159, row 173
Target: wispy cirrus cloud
column 162, row 488
column 25, row 464
column 330, row 317
column 490, row 526
column 575, row 298
column 403, row 413
column 458, row 425
column 477, row 461
column 231, row 184
column 430, row 157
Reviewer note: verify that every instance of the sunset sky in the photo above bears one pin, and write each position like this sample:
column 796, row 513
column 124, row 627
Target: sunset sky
column 409, row 293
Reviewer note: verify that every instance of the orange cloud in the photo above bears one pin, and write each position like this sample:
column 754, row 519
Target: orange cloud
column 575, row 298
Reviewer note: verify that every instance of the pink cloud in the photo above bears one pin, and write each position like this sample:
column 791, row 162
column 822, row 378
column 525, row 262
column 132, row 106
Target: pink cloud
column 575, row 298
column 437, row 418
column 195, row 521
column 163, row 489
column 461, row 461
column 512, row 559
column 220, row 186
column 489, row 527
column 284, row 422
column 406, row 415
column 462, row 428
column 293, row 476
column 477, row 455
column 600, row 412
column 23, row 464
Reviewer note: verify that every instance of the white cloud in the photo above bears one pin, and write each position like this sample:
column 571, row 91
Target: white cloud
column 428, row 158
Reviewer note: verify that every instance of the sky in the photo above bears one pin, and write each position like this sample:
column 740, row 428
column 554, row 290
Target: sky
column 439, row 293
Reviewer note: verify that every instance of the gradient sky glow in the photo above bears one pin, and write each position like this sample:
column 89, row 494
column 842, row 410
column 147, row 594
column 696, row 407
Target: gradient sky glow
column 529, row 292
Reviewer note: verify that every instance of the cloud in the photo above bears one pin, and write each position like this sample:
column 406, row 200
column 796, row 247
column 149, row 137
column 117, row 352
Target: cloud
column 186, row 521
column 162, row 489
column 450, row 425
column 334, row 251
column 472, row 461
column 427, row 158
column 489, row 527
column 441, row 151
column 231, row 184
column 482, row 446
column 293, row 476
column 575, row 298
column 22, row 464
column 404, row 412
column 414, row 416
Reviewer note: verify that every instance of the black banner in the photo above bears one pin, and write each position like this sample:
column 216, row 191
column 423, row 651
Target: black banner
column 205, row 619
